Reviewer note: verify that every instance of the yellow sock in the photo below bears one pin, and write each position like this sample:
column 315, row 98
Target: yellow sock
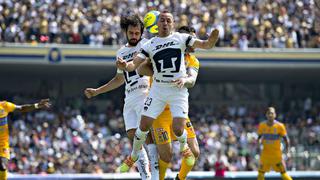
column 184, row 169
column 260, row 176
column 285, row 176
column 163, row 166
column 3, row 175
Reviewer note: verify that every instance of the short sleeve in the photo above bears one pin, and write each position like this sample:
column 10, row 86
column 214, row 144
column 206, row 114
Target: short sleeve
column 283, row 131
column 187, row 39
column 10, row 107
column 260, row 129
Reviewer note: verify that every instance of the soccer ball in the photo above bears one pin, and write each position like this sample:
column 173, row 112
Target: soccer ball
column 150, row 21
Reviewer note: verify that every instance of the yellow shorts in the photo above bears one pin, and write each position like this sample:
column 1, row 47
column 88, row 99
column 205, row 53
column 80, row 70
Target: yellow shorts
column 266, row 163
column 162, row 128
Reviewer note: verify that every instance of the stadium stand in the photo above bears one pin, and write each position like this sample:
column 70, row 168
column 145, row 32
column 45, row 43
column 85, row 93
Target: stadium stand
column 243, row 24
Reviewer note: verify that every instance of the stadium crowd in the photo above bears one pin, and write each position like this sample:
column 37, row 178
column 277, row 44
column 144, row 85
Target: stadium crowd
column 242, row 24
column 76, row 138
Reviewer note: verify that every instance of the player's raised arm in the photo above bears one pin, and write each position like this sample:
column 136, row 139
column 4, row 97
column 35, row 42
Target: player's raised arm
column 114, row 83
column 42, row 104
column 209, row 43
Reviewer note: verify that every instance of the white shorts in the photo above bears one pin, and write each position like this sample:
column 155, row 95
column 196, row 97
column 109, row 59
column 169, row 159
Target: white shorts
column 160, row 96
column 132, row 112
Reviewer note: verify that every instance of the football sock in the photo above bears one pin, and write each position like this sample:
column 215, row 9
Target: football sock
column 153, row 154
column 138, row 141
column 260, row 176
column 143, row 165
column 3, row 175
column 184, row 169
column 163, row 166
column 285, row 176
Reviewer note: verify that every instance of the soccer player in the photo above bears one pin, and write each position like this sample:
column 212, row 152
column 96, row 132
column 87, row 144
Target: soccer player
column 162, row 126
column 5, row 109
column 166, row 52
column 136, row 90
column 270, row 133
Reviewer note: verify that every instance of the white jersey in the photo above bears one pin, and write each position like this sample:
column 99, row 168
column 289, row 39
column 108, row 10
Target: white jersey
column 167, row 57
column 136, row 85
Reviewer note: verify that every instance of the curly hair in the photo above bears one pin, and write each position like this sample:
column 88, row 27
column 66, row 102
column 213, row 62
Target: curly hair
column 131, row 20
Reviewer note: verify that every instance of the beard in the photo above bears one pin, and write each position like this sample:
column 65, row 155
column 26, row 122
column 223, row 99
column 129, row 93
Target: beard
column 133, row 42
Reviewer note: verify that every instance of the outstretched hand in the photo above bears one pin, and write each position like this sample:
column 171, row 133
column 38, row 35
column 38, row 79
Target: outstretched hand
column 121, row 64
column 44, row 104
column 90, row 92
column 214, row 36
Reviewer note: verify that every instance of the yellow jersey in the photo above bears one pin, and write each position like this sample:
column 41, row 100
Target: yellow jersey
column 191, row 62
column 5, row 109
column 271, row 138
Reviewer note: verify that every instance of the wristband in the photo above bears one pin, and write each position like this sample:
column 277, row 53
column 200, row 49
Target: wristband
column 36, row 105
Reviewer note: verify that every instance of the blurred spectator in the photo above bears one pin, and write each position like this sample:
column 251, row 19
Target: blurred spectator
column 266, row 23
column 219, row 167
column 243, row 43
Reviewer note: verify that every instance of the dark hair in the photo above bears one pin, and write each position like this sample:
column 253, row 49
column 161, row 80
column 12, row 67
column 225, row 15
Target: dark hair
column 131, row 20
column 165, row 11
column 188, row 29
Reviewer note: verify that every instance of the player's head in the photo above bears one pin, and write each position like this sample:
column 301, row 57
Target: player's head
column 189, row 30
column 271, row 114
column 133, row 27
column 165, row 23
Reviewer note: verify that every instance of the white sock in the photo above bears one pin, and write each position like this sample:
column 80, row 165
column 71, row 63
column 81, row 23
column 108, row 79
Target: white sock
column 138, row 141
column 183, row 140
column 143, row 165
column 153, row 156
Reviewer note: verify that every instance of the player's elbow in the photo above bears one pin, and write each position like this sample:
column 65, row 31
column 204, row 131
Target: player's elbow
column 209, row 45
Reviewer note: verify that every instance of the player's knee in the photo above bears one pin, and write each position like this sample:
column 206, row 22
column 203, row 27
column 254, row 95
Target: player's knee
column 177, row 129
column 165, row 153
column 130, row 133
column 166, row 157
column 146, row 123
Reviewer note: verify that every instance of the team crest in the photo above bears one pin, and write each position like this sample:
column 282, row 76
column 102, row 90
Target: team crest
column 162, row 135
